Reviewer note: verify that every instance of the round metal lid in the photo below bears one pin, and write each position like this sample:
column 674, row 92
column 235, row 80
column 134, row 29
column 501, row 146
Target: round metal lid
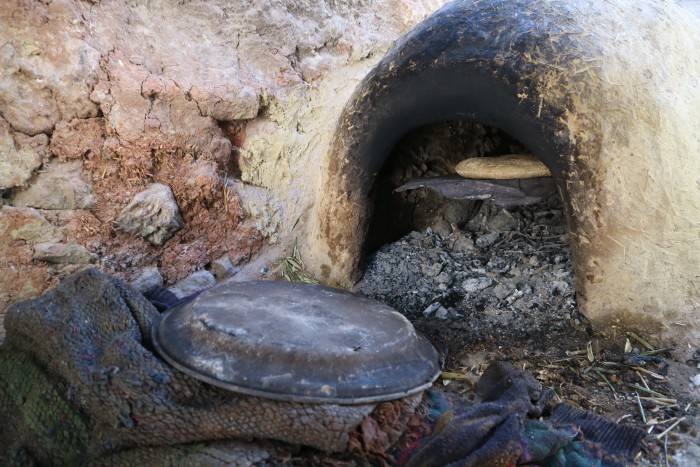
column 296, row 342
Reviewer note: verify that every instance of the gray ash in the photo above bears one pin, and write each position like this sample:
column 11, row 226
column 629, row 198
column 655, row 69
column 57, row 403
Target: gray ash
column 507, row 275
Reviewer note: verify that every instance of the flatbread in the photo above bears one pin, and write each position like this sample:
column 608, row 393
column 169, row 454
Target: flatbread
column 503, row 167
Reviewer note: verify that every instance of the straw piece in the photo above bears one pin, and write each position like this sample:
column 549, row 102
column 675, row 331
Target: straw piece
column 650, row 373
column 641, row 409
column 647, row 390
column 640, row 340
column 668, row 430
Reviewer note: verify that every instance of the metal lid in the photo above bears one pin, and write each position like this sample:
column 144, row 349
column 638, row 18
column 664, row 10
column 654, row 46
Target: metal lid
column 296, row 342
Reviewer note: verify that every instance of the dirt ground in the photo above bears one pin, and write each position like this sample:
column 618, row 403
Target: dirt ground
column 502, row 289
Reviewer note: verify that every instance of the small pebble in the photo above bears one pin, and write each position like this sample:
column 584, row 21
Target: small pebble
column 487, row 240
column 474, row 285
column 559, row 287
column 431, row 271
column 462, row 244
column 501, row 291
column 431, row 308
column 443, row 278
column 148, row 279
column 441, row 313
column 503, row 221
column 222, row 268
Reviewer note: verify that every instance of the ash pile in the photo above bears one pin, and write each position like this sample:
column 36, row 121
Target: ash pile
column 507, row 274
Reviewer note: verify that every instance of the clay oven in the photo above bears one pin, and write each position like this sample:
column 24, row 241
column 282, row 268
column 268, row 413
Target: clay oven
column 604, row 93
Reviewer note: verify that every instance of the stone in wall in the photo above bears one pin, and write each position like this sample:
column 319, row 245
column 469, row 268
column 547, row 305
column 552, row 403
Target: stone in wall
column 20, row 228
column 51, row 252
column 153, row 214
column 222, row 268
column 20, row 155
column 47, row 68
column 57, row 186
column 24, row 226
column 195, row 282
column 147, row 279
column 227, row 103
column 144, row 110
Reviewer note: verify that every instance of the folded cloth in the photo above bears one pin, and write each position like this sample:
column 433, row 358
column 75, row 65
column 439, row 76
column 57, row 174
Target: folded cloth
column 505, row 429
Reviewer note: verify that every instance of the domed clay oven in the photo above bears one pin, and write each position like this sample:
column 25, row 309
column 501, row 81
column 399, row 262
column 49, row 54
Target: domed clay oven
column 604, row 93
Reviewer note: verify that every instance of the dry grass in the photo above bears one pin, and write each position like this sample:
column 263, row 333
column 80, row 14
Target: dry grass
column 291, row 267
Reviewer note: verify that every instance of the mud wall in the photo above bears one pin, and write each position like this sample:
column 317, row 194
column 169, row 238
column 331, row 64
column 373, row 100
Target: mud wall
column 227, row 106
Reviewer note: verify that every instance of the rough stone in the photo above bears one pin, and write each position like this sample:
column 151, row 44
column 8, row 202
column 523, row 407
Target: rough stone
column 443, row 278
column 23, row 224
column 47, row 68
column 153, row 214
column 63, row 253
column 227, row 103
column 222, row 268
column 486, row 240
column 431, row 270
column 431, row 309
column 475, row 284
column 58, row 186
column 195, row 282
column 462, row 244
column 503, row 221
column 696, row 380
column 501, row 291
column 20, row 155
column 441, row 313
column 147, row 279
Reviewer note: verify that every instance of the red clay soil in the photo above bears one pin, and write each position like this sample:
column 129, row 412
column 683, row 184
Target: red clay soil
column 118, row 170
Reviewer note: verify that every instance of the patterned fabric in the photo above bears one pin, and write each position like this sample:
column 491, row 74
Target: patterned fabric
column 515, row 425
